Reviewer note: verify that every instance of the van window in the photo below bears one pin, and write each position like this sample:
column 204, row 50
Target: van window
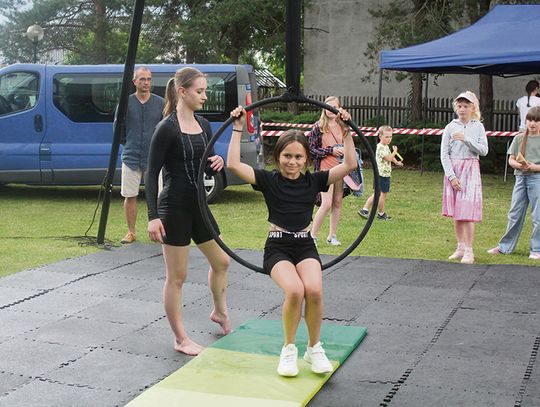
column 222, row 93
column 87, row 97
column 18, row 91
column 94, row 97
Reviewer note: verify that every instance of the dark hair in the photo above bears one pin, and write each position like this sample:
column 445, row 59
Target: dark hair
column 183, row 78
column 529, row 88
column 534, row 115
column 290, row 136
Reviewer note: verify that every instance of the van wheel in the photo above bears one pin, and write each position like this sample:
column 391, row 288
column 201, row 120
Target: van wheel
column 213, row 184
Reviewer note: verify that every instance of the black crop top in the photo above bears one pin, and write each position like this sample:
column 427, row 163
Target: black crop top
column 290, row 202
column 179, row 154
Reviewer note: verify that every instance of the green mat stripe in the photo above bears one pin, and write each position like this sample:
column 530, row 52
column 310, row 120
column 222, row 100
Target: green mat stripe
column 158, row 397
column 219, row 371
column 266, row 337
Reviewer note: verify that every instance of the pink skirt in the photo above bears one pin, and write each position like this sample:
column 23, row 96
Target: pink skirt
column 464, row 205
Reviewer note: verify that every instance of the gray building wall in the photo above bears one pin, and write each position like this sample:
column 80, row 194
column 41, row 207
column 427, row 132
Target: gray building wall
column 335, row 39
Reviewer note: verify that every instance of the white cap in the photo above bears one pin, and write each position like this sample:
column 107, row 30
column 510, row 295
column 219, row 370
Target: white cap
column 468, row 95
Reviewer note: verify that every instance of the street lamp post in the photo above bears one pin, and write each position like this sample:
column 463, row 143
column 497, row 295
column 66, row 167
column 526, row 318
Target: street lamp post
column 35, row 34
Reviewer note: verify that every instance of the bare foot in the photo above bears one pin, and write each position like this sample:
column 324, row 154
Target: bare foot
column 188, row 347
column 223, row 320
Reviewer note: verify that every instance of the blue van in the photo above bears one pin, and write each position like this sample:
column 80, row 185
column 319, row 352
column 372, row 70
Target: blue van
column 56, row 120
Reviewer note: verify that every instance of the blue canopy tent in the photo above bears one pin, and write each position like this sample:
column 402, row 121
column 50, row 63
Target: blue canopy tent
column 505, row 42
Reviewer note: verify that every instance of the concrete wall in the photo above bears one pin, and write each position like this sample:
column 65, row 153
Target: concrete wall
column 335, row 39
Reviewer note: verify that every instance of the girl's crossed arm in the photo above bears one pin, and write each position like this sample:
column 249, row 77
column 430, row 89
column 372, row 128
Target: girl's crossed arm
column 243, row 171
column 349, row 159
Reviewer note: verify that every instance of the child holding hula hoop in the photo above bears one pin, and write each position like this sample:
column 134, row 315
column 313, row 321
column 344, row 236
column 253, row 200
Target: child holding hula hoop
column 290, row 255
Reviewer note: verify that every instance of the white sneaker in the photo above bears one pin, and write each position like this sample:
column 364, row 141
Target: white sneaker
column 317, row 358
column 458, row 253
column 534, row 256
column 333, row 241
column 287, row 361
column 468, row 256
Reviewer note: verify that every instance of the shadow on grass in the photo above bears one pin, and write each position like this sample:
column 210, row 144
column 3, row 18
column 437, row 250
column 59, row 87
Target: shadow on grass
column 38, row 192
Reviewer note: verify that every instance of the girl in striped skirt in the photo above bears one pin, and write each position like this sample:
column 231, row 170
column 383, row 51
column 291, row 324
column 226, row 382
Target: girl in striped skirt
column 463, row 141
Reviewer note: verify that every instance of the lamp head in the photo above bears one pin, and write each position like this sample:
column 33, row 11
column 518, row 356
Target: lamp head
column 35, row 33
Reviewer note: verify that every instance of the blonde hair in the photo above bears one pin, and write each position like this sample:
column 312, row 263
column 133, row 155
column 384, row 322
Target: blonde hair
column 324, row 121
column 532, row 114
column 476, row 114
column 183, row 78
column 385, row 128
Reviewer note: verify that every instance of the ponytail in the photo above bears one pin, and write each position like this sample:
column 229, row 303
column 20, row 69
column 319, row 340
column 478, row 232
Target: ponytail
column 170, row 98
column 530, row 88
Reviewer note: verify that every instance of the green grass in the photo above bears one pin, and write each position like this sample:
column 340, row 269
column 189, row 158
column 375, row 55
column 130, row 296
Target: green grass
column 40, row 225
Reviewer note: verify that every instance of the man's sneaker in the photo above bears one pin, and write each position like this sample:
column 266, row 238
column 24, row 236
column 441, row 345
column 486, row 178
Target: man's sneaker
column 287, row 361
column 317, row 358
column 363, row 213
column 129, row 238
column 333, row 241
column 383, row 216
column 495, row 250
column 534, row 256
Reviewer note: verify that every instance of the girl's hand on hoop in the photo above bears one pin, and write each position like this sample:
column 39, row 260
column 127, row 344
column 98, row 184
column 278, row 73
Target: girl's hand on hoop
column 344, row 115
column 240, row 114
column 156, row 231
column 216, row 162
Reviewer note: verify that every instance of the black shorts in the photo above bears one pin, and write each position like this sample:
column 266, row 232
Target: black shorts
column 293, row 247
column 385, row 184
column 185, row 223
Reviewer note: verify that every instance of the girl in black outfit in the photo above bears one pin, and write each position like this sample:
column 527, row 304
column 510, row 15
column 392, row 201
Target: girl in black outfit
column 290, row 255
column 177, row 146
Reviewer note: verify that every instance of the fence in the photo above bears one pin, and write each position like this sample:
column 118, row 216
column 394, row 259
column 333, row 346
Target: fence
column 396, row 111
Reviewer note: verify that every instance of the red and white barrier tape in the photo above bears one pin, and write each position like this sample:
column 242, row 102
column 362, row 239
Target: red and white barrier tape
column 372, row 131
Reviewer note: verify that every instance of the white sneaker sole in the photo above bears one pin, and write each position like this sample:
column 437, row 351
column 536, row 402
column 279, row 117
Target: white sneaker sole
column 314, row 369
column 291, row 373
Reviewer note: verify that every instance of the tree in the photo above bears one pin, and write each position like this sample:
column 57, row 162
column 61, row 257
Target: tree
column 96, row 31
column 406, row 23
column 410, row 22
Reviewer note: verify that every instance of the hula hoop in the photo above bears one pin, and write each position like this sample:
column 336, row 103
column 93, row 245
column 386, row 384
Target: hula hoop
column 286, row 97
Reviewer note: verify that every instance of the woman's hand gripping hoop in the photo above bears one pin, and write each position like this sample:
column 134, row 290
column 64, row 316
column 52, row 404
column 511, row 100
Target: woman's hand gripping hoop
column 299, row 98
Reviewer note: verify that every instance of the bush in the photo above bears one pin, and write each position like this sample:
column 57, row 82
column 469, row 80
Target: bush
column 276, row 116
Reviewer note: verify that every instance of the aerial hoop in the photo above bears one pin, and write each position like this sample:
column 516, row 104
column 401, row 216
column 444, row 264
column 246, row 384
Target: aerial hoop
column 286, row 97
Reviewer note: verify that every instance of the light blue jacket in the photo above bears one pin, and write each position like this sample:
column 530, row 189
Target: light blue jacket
column 474, row 145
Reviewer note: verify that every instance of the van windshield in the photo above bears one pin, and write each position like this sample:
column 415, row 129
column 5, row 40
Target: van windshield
column 18, row 91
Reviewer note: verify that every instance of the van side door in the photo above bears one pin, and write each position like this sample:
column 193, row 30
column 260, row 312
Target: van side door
column 22, row 123
column 80, row 131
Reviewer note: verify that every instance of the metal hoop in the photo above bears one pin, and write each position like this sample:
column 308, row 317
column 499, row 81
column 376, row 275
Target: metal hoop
column 286, row 97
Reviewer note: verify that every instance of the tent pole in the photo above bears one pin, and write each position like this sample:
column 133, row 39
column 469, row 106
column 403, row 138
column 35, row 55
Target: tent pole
column 379, row 100
column 425, row 124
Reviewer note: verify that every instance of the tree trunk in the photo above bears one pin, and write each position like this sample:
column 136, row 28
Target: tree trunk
column 486, row 100
column 100, row 33
column 416, row 98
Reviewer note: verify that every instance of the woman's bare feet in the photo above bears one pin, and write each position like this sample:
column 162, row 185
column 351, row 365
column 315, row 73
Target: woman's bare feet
column 223, row 320
column 188, row 347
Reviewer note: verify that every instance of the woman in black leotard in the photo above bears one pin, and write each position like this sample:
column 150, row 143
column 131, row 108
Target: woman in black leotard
column 174, row 217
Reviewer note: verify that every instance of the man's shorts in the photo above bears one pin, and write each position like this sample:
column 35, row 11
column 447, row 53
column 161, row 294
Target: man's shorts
column 292, row 247
column 131, row 181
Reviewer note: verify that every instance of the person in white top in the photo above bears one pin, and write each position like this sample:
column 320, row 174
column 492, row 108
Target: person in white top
column 524, row 103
